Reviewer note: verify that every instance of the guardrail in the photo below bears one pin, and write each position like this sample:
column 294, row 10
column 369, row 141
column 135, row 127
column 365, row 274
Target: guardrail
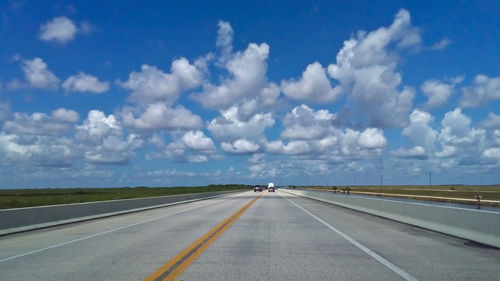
column 31, row 218
column 475, row 225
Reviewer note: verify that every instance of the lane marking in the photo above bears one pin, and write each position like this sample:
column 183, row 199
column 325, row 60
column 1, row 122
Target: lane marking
column 405, row 275
column 184, row 259
column 102, row 233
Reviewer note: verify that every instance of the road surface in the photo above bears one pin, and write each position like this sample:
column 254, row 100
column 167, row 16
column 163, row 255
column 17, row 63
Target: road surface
column 244, row 236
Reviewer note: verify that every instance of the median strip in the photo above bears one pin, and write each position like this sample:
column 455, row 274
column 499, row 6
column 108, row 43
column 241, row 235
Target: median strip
column 178, row 264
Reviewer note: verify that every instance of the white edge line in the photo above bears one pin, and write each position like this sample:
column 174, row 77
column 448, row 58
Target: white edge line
column 405, row 275
column 101, row 233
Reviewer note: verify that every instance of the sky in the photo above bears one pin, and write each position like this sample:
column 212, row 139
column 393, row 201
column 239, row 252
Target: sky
column 182, row 93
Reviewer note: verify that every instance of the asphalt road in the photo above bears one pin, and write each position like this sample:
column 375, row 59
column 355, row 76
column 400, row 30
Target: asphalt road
column 278, row 237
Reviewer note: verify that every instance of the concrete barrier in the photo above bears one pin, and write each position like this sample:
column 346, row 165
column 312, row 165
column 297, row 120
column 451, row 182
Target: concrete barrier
column 31, row 218
column 475, row 225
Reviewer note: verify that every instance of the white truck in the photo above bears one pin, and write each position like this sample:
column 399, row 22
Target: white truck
column 270, row 187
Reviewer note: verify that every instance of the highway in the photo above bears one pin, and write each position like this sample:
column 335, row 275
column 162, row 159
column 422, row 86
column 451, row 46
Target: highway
column 244, row 236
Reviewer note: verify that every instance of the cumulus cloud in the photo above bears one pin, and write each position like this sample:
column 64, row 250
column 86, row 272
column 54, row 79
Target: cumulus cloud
column 105, row 141
column 305, row 123
column 294, row 147
column 37, row 150
column 224, row 40
column 372, row 138
column 416, row 152
column 83, row 82
column 457, row 135
column 313, row 86
column 420, row 131
column 152, row 85
column 230, row 127
column 62, row 30
column 366, row 71
column 59, row 29
column 247, row 78
column 483, row 91
column 493, row 121
column 493, row 153
column 312, row 134
column 439, row 92
column 191, row 146
column 457, row 128
column 244, row 81
column 37, row 75
column 60, row 121
column 196, row 140
column 441, row 45
column 158, row 116
column 240, row 146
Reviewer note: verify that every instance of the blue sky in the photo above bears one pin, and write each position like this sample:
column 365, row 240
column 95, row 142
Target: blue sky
column 168, row 93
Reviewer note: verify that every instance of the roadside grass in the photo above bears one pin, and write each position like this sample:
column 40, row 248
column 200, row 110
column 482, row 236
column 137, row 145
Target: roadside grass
column 488, row 192
column 18, row 198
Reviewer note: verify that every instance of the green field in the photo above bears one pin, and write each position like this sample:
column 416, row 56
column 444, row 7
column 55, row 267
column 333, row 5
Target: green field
column 17, row 198
column 487, row 192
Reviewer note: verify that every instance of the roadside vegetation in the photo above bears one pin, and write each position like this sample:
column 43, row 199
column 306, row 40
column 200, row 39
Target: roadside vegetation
column 17, row 198
column 487, row 192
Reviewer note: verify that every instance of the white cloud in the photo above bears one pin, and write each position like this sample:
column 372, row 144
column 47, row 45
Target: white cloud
column 456, row 129
column 313, row 135
column 158, row 116
column 439, row 92
column 493, row 152
column 364, row 144
column 459, row 140
column 366, row 70
column 420, row 131
column 224, row 40
column 83, row 82
column 192, row 147
column 442, row 44
column 305, row 123
column 60, row 122
column 196, row 140
column 37, row 75
column 313, row 86
column 39, row 150
column 483, row 91
column 447, row 151
column 416, row 152
column 59, row 29
column 295, row 147
column 230, row 127
column 493, row 121
column 152, row 85
column 372, row 138
column 105, row 141
column 247, row 79
column 245, row 84
column 240, row 146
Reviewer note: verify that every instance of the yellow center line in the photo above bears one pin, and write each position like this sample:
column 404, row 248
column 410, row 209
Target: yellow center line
column 179, row 263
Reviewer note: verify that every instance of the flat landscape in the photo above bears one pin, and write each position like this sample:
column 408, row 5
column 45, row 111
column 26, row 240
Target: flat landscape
column 18, row 198
column 446, row 193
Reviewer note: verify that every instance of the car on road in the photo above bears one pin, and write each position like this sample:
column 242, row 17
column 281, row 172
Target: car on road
column 257, row 188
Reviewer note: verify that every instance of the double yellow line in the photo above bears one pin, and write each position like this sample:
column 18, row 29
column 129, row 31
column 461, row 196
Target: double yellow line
column 178, row 264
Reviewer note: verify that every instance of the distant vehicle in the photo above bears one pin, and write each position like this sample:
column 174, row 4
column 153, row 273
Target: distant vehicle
column 271, row 184
column 257, row 188
column 271, row 189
